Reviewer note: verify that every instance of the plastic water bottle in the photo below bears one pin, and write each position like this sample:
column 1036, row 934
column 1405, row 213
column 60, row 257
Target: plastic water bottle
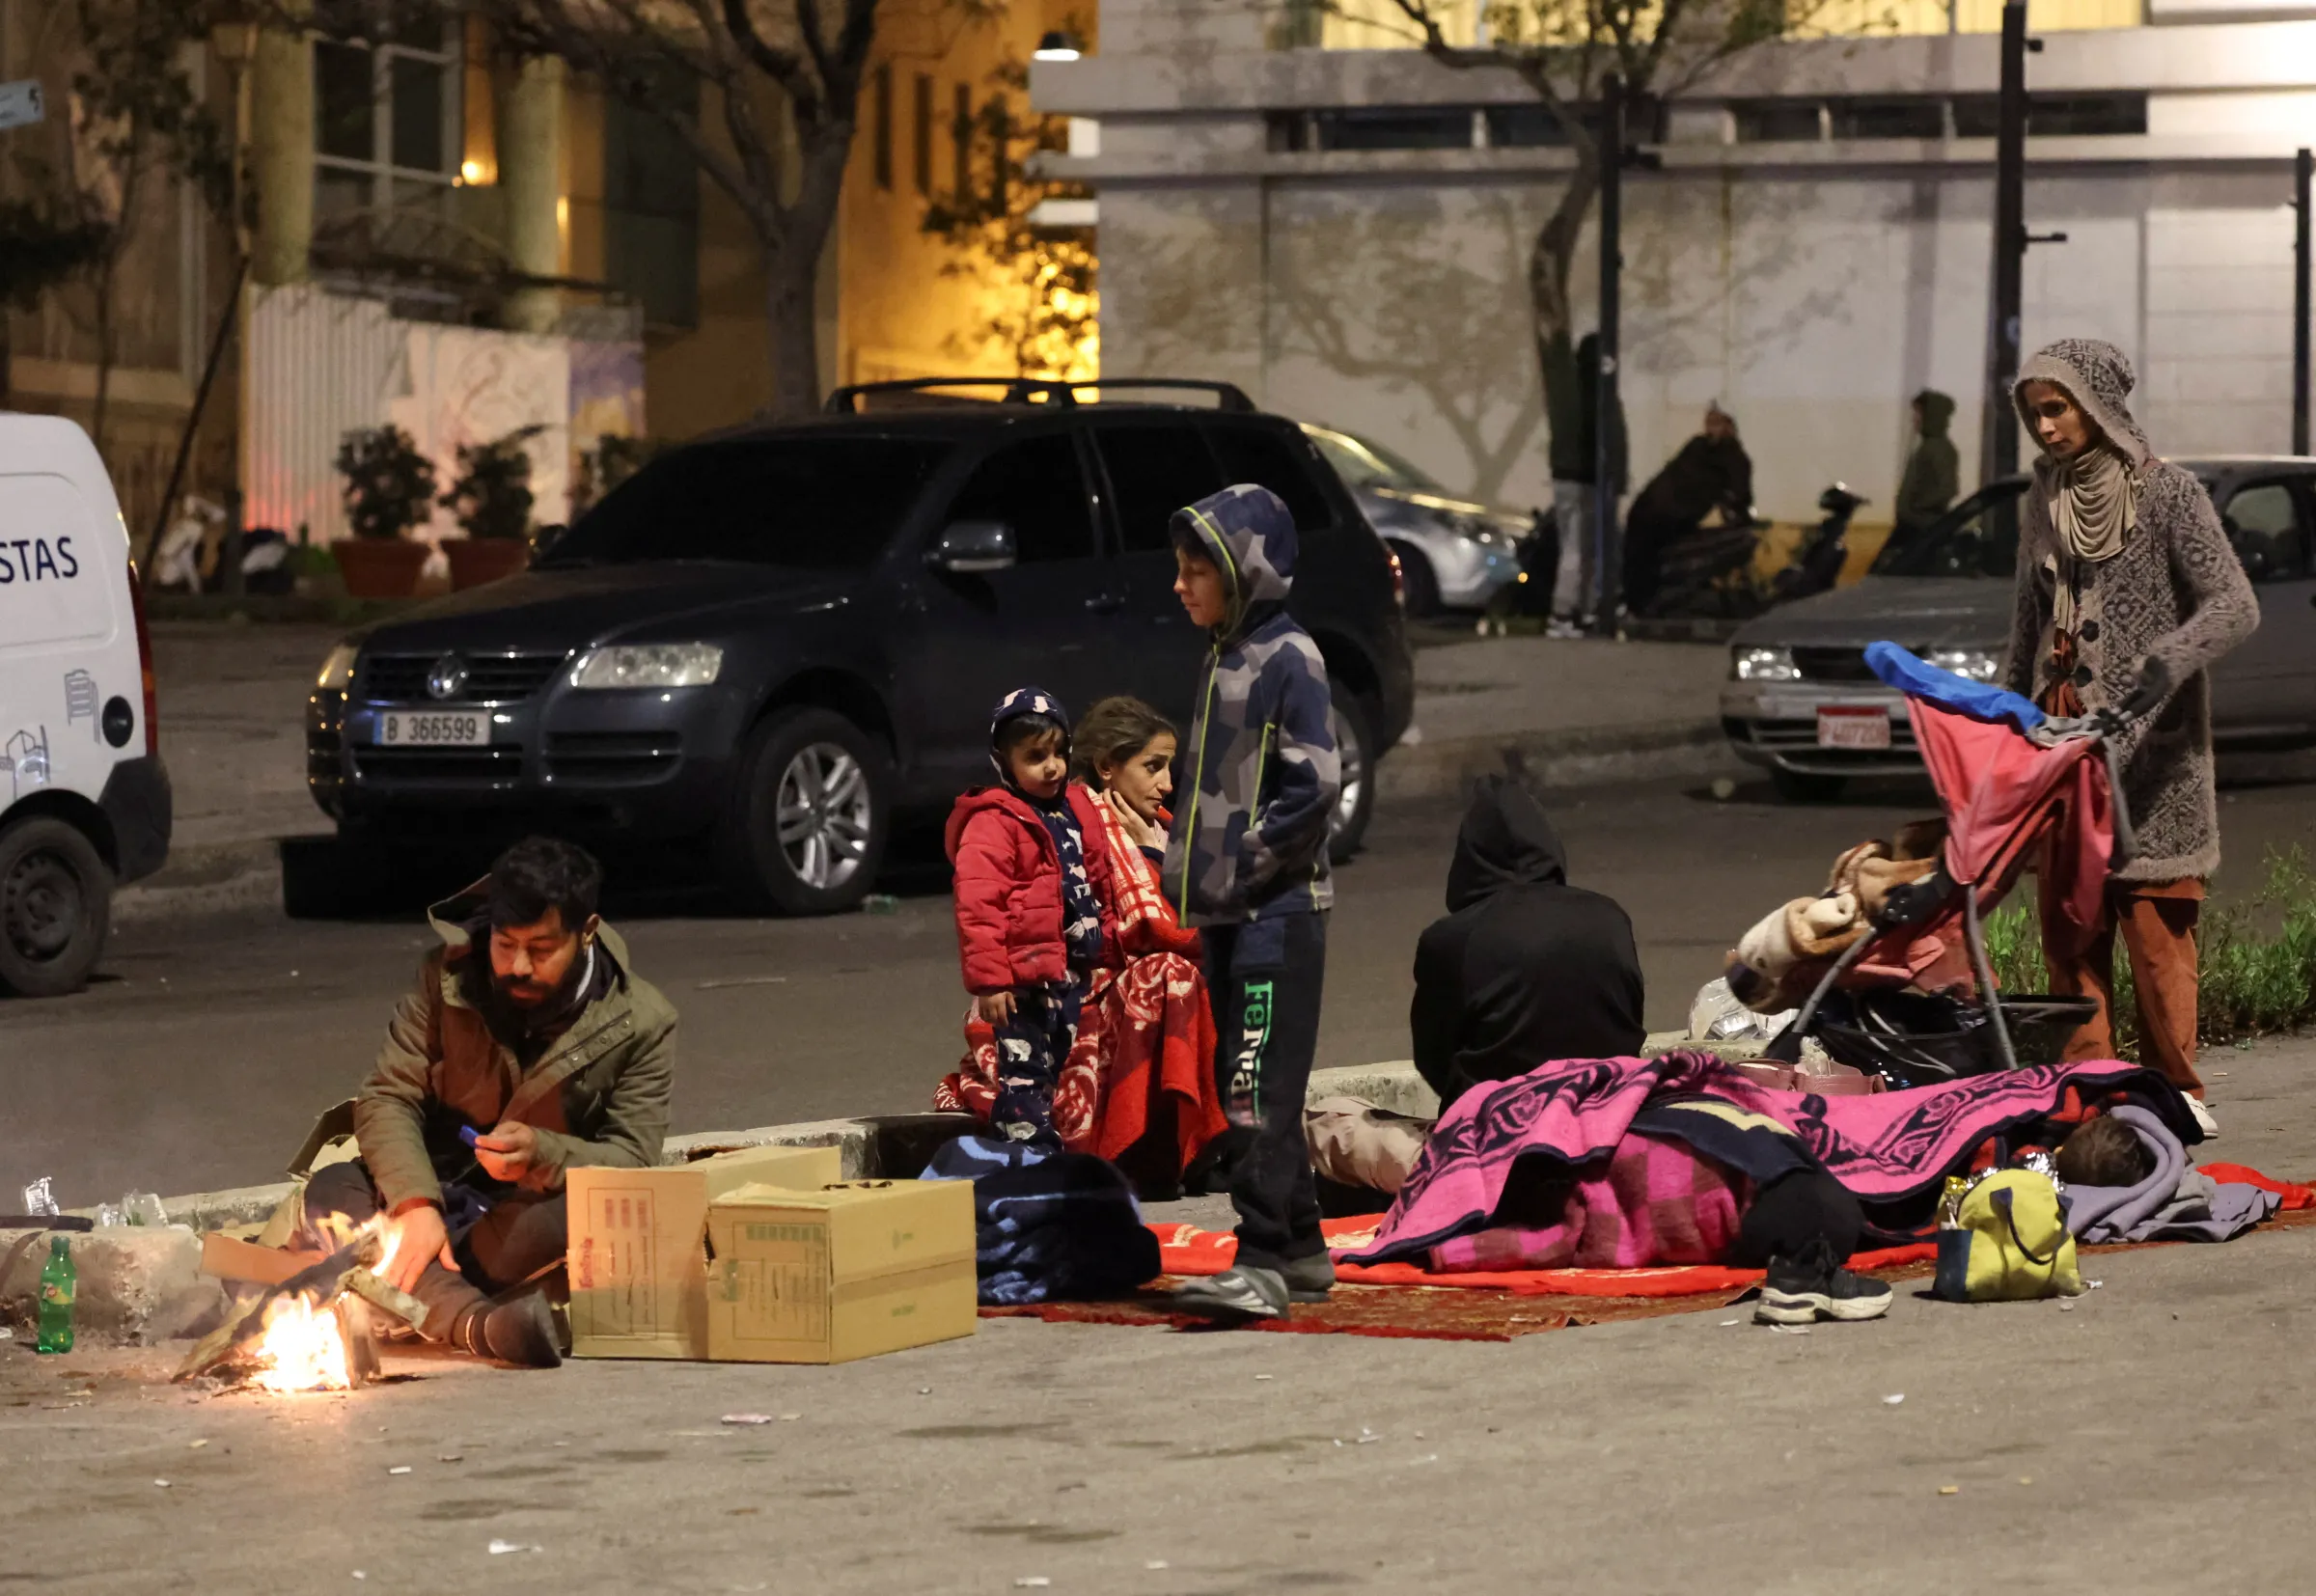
column 58, row 1278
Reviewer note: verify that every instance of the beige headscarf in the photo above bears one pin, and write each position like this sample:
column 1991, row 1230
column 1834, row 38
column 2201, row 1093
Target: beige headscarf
column 2094, row 508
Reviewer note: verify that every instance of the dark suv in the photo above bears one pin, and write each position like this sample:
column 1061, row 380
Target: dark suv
column 779, row 640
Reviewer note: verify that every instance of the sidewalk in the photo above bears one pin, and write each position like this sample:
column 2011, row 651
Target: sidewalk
column 232, row 702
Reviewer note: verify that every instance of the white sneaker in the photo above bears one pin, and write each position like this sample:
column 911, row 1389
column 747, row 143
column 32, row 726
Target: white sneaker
column 1563, row 630
column 2203, row 1118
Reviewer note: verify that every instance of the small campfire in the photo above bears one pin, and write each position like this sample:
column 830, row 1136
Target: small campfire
column 311, row 1332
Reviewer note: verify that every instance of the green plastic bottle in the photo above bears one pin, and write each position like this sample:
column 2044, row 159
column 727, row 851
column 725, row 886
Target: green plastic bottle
column 58, row 1278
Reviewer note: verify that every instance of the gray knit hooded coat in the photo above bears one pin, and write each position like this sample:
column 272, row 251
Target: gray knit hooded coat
column 2174, row 593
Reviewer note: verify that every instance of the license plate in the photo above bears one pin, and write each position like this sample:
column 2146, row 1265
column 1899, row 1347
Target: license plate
column 1842, row 726
column 431, row 729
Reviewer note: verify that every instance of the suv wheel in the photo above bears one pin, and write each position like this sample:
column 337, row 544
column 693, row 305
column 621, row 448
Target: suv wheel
column 1347, row 719
column 55, row 907
column 810, row 814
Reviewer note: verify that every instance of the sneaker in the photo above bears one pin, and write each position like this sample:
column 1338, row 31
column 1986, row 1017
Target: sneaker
column 1809, row 1286
column 1243, row 1293
column 2203, row 1118
column 1562, row 630
column 1310, row 1280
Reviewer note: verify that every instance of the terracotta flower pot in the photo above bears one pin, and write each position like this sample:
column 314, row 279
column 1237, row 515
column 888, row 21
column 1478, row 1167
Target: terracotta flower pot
column 379, row 568
column 475, row 560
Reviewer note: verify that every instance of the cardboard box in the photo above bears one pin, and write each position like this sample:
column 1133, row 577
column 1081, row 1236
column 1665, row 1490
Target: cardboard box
column 849, row 1272
column 638, row 1264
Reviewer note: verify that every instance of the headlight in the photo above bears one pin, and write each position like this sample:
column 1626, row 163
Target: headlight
column 649, row 665
column 1766, row 665
column 1974, row 663
column 338, row 670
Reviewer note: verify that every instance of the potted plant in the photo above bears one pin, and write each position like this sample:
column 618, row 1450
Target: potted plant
column 389, row 489
column 493, row 501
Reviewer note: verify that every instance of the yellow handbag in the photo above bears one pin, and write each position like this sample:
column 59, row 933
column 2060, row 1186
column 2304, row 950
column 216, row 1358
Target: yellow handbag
column 2005, row 1239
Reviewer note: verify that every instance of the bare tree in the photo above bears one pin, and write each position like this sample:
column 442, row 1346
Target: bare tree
column 763, row 67
column 1564, row 51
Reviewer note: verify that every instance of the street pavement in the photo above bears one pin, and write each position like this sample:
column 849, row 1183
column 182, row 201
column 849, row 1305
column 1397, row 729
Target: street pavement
column 2142, row 1439
column 201, row 1057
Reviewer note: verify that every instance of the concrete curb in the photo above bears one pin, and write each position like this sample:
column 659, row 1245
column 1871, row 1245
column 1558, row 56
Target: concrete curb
column 1582, row 756
column 210, row 878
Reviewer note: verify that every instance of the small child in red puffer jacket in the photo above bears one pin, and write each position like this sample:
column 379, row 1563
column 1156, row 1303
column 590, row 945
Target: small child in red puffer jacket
column 1032, row 875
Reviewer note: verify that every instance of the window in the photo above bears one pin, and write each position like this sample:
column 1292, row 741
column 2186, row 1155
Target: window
column 387, row 119
column 1272, row 458
column 924, row 135
column 2264, row 523
column 881, row 98
column 1155, row 470
column 2053, row 116
column 1446, row 128
column 961, row 129
column 1780, row 121
column 1037, row 487
column 811, row 502
column 1889, row 119
column 651, row 206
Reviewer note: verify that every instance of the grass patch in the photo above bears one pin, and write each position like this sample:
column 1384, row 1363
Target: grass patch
column 2258, row 960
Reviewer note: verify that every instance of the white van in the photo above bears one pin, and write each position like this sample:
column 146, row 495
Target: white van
column 84, row 797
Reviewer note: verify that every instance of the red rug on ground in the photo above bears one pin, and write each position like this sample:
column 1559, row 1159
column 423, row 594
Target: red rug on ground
column 1188, row 1249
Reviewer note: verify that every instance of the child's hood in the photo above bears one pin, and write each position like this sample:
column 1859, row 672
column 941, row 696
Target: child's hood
column 1249, row 534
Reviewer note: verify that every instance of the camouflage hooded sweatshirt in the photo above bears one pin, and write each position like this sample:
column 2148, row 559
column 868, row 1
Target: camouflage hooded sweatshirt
column 1261, row 767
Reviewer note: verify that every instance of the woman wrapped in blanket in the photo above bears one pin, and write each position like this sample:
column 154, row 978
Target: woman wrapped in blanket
column 1138, row 1085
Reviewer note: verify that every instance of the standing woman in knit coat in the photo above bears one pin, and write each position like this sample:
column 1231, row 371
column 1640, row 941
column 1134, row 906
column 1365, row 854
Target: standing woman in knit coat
column 2127, row 592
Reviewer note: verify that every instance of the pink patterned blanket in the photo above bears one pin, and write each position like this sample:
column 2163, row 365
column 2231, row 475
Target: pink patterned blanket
column 1893, row 1149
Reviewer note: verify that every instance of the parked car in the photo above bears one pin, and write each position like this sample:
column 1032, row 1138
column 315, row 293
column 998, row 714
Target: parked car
column 778, row 641
column 1453, row 554
column 1946, row 592
column 84, row 797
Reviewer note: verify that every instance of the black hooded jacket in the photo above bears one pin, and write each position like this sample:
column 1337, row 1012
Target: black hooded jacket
column 1526, row 968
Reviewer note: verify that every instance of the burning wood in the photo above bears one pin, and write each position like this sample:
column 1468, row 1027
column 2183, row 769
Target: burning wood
column 305, row 1333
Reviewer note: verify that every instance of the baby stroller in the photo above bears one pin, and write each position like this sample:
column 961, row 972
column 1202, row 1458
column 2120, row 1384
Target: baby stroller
column 1902, row 1000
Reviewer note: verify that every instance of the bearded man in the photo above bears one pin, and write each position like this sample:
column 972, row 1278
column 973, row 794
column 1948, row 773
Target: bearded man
column 528, row 1047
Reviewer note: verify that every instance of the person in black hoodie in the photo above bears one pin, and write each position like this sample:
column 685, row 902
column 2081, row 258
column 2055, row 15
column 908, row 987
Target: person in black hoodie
column 1525, row 969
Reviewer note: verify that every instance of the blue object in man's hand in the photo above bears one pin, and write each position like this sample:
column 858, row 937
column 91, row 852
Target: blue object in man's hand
column 469, row 1135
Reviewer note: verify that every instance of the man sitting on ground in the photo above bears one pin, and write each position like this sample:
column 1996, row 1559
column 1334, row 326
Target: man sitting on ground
column 1525, row 969
column 528, row 1047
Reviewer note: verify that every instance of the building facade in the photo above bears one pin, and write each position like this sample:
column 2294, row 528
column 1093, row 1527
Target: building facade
column 1345, row 232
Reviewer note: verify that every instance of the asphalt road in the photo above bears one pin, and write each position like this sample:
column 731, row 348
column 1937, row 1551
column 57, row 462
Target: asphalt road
column 202, row 1054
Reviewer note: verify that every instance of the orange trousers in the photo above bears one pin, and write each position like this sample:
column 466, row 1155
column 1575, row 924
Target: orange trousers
column 2156, row 920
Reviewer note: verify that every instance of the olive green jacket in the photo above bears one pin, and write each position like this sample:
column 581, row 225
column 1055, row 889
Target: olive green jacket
column 598, row 1095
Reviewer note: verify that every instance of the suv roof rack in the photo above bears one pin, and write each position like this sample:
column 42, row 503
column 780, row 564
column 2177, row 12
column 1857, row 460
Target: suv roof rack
column 926, row 390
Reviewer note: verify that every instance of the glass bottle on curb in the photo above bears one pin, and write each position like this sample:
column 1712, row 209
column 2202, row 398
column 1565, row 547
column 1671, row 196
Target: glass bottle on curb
column 58, row 1278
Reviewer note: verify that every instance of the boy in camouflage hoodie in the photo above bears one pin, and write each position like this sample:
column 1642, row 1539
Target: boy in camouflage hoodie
column 1247, row 864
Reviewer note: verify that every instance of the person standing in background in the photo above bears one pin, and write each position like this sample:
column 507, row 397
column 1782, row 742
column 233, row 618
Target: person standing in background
column 1574, row 401
column 1933, row 473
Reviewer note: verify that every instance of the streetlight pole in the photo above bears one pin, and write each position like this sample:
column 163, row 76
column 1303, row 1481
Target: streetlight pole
column 1607, row 546
column 1998, row 431
column 2301, row 165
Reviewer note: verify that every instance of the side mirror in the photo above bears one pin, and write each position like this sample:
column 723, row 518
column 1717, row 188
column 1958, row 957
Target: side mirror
column 967, row 547
column 545, row 539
